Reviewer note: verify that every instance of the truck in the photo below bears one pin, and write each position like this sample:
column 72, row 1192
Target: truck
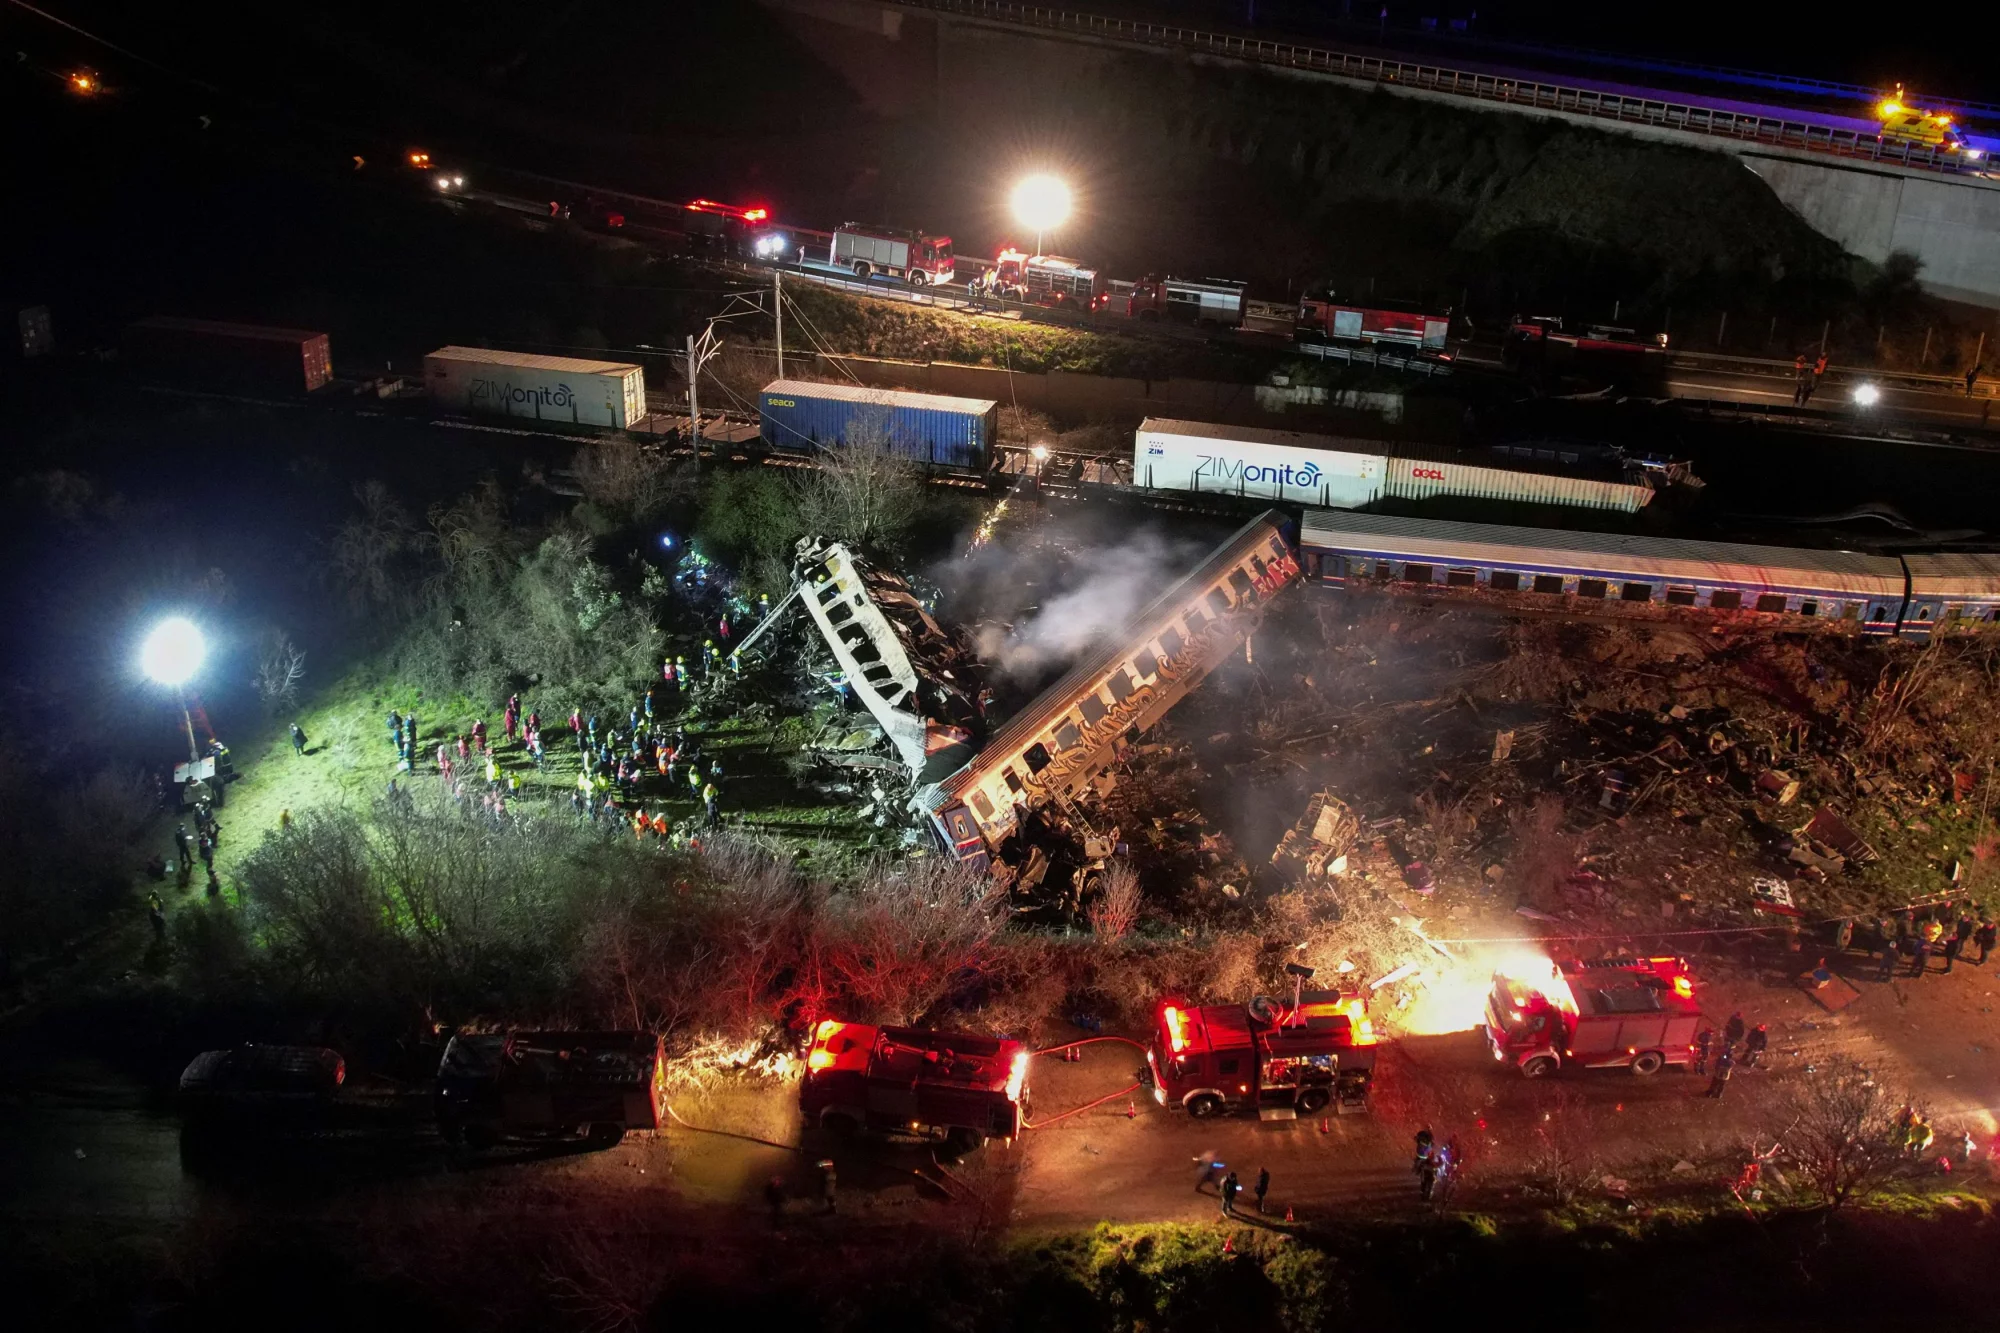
column 1924, row 129
column 560, row 389
column 1281, row 1061
column 1323, row 318
column 930, row 428
column 550, row 1086
column 1049, row 280
column 1631, row 1013
column 222, row 355
column 887, row 252
column 959, row 1087
column 1540, row 343
column 1214, row 301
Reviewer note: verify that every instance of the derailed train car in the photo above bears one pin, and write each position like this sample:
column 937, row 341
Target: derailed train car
column 1062, row 742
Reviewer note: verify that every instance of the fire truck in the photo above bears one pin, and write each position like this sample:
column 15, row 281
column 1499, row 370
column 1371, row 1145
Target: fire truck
column 1047, row 280
column 1633, row 1013
column 1320, row 319
column 1206, row 301
column 915, row 258
column 542, row 1086
column 956, row 1086
column 731, row 228
column 1279, row 1061
column 1540, row 342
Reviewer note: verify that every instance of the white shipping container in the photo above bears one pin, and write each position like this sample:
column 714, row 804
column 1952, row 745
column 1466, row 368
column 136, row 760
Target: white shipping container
column 545, row 388
column 1422, row 478
column 1244, row 460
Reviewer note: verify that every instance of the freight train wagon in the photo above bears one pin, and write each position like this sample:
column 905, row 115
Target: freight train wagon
column 955, row 433
column 1547, row 569
column 1205, row 458
column 237, row 356
column 546, row 388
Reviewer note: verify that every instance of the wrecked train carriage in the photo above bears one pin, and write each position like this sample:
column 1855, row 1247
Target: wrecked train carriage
column 1064, row 740
column 908, row 673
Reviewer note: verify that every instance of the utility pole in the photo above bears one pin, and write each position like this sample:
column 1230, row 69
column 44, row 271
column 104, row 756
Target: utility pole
column 778, row 306
column 694, row 403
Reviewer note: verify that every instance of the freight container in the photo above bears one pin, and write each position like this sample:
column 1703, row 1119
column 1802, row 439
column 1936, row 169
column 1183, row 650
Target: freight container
column 546, row 388
column 925, row 427
column 1419, row 474
column 1205, row 458
column 236, row 356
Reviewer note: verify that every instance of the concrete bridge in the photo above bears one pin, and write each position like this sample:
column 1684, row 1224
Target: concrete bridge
column 1873, row 199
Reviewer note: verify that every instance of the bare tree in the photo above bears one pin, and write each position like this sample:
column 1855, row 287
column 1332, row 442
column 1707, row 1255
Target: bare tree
column 897, row 945
column 375, row 554
column 1544, row 855
column 1844, row 1138
column 629, row 479
column 281, row 665
column 1116, row 909
column 863, row 491
column 1562, row 1155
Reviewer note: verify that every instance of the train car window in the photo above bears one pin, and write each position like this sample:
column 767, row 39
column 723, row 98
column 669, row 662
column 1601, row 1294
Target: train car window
column 1384, row 571
column 1257, row 564
column 1241, row 582
column 1121, row 684
column 1416, row 573
column 1462, row 578
column 1809, row 607
column 1036, row 756
column 1550, row 583
column 1591, row 587
column 1278, row 549
column 1879, row 613
column 1770, row 601
column 1848, row 611
column 1146, row 664
column 1636, row 592
column 1195, row 619
column 1680, row 597
column 1013, row 780
column 1068, row 737
column 1093, row 709
column 1171, row 640
column 1504, row 580
column 1218, row 601
column 1727, row 599
column 982, row 805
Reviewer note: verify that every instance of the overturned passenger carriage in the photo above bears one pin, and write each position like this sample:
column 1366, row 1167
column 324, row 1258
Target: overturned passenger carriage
column 1064, row 740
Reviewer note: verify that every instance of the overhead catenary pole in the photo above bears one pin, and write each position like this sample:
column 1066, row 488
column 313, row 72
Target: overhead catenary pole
column 778, row 305
column 694, row 403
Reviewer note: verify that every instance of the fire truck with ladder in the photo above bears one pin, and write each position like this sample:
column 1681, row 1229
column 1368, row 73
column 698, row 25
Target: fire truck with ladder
column 1630, row 1013
column 956, row 1086
column 1318, row 1054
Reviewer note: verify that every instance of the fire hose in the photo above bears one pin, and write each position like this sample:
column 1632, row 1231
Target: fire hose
column 1113, row 1096
column 732, row 1134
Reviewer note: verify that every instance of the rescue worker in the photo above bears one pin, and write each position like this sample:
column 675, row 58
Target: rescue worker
column 1919, row 1137
column 1725, row 1064
column 1920, row 956
column 1952, row 945
column 1888, row 969
column 410, row 732
column 298, row 739
column 827, row 1183
column 1753, row 1045
column 214, row 884
column 157, row 912
column 708, row 795
column 1732, row 1031
column 774, row 1199
column 1230, row 1187
column 1704, row 1046
column 1985, row 937
column 1426, row 1165
column 1799, row 380
column 1263, row 1186
column 184, row 840
column 1972, row 378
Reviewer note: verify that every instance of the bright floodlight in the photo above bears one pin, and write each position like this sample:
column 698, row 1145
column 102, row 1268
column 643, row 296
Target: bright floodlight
column 1867, row 395
column 1041, row 202
column 173, row 651
column 1041, row 453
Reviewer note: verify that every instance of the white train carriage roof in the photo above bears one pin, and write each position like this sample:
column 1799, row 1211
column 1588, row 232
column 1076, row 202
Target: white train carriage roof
column 1955, row 576
column 1290, row 439
column 1605, row 554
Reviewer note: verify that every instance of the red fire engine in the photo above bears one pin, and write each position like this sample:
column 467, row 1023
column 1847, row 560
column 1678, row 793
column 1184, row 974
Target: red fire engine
column 1320, row 319
column 1631, row 1013
column 1539, row 342
column 957, row 1086
column 1047, row 280
column 910, row 256
column 1281, row 1061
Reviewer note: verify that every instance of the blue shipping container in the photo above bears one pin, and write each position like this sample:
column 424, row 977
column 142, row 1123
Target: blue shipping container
column 925, row 427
